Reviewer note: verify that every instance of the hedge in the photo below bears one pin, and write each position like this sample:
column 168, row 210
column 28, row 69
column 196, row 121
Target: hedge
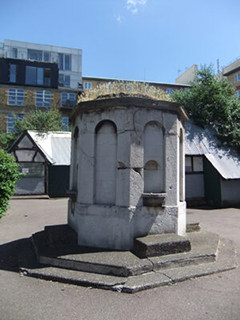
column 9, row 175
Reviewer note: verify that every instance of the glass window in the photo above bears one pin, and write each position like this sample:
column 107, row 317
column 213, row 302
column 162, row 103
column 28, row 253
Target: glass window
column 65, row 123
column 12, row 73
column 67, row 81
column 43, row 98
column 47, row 77
column 30, row 76
column 60, row 61
column 169, row 91
column 64, row 61
column 237, row 77
column 87, row 85
column 68, row 100
column 194, row 164
column 38, row 76
column 197, row 164
column 67, row 62
column 46, row 56
column 35, row 55
column 68, row 96
column 11, row 121
column 64, row 80
column 16, row 97
column 188, row 164
column 14, row 53
column 237, row 93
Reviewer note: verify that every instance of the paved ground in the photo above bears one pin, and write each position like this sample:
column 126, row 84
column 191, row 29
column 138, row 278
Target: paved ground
column 215, row 297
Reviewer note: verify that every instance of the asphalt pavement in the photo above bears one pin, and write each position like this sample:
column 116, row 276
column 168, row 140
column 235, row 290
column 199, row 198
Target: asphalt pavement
column 215, row 297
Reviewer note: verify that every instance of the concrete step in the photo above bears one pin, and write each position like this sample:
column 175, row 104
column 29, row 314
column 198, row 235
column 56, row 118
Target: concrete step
column 226, row 260
column 117, row 263
column 56, row 251
column 160, row 245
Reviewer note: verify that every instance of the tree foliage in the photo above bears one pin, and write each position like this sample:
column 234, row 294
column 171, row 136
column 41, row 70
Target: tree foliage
column 40, row 121
column 212, row 102
column 49, row 120
column 9, row 175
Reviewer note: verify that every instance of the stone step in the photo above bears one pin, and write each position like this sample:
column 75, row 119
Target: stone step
column 61, row 235
column 160, row 245
column 118, row 263
column 204, row 248
column 226, row 260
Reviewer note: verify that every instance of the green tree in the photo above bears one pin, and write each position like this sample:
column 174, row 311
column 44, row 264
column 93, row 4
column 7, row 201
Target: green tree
column 9, row 175
column 212, row 102
column 42, row 121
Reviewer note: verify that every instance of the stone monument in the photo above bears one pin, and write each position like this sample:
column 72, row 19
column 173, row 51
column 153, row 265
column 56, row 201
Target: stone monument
column 127, row 171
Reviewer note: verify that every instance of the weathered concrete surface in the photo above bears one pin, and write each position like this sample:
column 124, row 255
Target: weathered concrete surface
column 214, row 297
column 160, row 245
column 208, row 257
column 59, row 258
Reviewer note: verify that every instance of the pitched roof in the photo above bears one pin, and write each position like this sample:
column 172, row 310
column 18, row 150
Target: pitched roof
column 56, row 146
column 203, row 142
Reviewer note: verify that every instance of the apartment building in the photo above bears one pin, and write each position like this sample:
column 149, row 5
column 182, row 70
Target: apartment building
column 35, row 76
column 69, row 60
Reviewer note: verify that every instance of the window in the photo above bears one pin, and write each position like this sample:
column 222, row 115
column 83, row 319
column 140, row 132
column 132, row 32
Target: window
column 14, row 53
column 64, row 80
column 12, row 73
column 38, row 76
column 87, row 85
column 65, row 123
column 237, row 77
column 68, row 96
column 38, row 55
column 16, row 97
column 64, row 61
column 43, row 98
column 46, row 56
column 237, row 93
column 169, row 91
column 68, row 100
column 194, row 164
column 35, row 55
column 11, row 121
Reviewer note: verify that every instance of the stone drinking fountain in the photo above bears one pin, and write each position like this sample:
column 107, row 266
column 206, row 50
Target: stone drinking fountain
column 127, row 171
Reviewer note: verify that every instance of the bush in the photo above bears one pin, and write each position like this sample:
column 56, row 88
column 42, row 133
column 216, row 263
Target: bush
column 9, row 175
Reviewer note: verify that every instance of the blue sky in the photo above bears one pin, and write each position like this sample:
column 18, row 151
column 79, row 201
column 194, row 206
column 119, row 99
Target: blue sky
column 151, row 40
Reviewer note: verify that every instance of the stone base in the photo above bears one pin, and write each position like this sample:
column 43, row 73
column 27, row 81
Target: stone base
column 114, row 227
column 58, row 258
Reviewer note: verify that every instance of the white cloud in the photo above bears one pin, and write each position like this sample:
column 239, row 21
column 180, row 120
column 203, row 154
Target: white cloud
column 118, row 18
column 134, row 5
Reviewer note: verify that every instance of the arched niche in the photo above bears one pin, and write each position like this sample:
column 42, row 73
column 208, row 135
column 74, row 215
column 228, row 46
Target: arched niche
column 75, row 158
column 105, row 162
column 152, row 177
column 154, row 164
column 181, row 166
